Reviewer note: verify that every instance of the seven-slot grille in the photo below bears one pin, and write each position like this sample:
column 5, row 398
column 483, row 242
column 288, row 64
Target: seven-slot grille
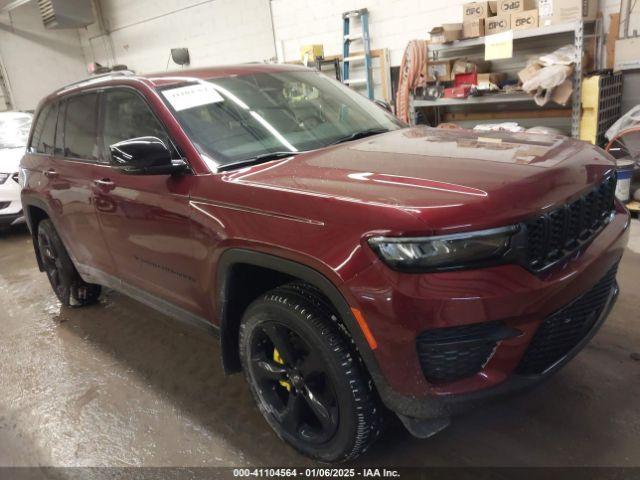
column 562, row 331
column 555, row 234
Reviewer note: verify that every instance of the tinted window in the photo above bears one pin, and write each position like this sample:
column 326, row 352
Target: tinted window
column 80, row 127
column 45, row 130
column 37, row 128
column 47, row 139
column 128, row 116
column 236, row 118
column 59, row 149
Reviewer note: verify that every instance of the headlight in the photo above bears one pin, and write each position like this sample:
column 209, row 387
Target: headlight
column 444, row 252
column 3, row 177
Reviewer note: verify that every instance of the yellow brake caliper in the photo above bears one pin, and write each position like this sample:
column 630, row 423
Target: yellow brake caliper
column 278, row 359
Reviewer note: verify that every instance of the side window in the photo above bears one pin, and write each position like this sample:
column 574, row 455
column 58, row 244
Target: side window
column 59, row 148
column 47, row 139
column 127, row 116
column 44, row 130
column 80, row 132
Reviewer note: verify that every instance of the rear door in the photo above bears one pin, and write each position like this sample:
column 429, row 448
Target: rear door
column 69, row 139
column 146, row 218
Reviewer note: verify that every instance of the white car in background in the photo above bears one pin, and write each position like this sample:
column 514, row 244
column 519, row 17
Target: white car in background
column 14, row 133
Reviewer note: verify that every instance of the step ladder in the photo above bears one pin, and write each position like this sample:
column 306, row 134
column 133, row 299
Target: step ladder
column 362, row 36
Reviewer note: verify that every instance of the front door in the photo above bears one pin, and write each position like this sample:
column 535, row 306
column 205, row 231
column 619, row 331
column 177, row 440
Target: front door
column 146, row 218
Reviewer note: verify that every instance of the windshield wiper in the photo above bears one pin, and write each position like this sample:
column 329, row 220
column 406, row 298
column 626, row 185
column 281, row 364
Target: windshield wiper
column 361, row 134
column 263, row 157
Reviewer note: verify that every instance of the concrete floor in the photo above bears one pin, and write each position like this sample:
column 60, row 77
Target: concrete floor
column 118, row 384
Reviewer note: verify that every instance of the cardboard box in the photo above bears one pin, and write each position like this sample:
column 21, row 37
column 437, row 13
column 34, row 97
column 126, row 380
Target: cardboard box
column 473, row 28
column 446, row 33
column 309, row 53
column 554, row 12
column 464, row 65
column 513, row 6
column 439, row 70
column 573, row 10
column 475, row 10
column 524, row 20
column 485, row 79
column 627, row 54
column 528, row 72
column 497, row 24
column 562, row 93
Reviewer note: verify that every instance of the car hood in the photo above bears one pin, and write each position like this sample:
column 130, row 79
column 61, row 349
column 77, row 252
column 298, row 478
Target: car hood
column 10, row 159
column 449, row 179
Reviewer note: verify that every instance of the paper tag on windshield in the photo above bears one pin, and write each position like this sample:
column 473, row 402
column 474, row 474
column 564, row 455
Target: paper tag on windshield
column 183, row 98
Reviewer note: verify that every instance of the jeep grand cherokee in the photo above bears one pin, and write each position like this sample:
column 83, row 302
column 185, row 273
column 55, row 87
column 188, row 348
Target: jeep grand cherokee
column 349, row 264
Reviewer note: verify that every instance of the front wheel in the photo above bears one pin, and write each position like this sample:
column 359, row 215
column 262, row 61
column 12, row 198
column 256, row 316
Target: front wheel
column 307, row 380
column 65, row 280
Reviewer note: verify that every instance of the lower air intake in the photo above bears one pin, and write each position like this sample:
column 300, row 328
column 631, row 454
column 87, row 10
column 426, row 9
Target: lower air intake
column 562, row 331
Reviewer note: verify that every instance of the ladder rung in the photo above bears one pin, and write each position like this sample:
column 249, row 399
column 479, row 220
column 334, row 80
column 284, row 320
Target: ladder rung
column 355, row 13
column 354, row 58
column 354, row 36
column 355, row 81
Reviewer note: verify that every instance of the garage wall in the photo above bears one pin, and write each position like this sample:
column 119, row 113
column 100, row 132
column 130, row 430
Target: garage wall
column 392, row 23
column 142, row 32
column 36, row 60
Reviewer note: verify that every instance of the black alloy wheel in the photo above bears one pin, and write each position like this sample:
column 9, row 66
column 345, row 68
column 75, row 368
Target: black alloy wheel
column 65, row 281
column 306, row 376
column 294, row 383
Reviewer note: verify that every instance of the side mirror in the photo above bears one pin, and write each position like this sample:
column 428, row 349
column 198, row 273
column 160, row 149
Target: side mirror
column 145, row 156
column 383, row 104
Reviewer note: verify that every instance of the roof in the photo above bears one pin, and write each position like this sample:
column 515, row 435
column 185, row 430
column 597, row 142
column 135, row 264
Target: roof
column 168, row 78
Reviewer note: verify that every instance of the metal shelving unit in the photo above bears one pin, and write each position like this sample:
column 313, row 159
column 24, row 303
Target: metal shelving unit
column 485, row 99
column 525, row 43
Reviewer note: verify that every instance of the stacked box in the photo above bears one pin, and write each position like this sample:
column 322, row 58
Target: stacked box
column 474, row 15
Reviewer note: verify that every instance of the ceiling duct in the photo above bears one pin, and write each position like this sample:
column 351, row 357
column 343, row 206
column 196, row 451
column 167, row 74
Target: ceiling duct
column 66, row 13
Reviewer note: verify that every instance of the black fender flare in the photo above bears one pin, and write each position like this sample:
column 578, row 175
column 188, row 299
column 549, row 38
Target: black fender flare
column 29, row 201
column 234, row 256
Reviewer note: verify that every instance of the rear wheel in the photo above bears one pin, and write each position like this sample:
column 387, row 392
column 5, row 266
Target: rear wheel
column 308, row 382
column 70, row 289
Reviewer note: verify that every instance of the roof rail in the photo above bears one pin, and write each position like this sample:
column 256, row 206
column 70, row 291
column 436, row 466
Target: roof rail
column 116, row 73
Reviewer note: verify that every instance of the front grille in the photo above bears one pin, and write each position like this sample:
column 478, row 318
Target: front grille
column 557, row 233
column 452, row 353
column 562, row 331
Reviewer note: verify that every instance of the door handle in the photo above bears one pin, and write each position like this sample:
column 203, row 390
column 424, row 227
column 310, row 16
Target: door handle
column 105, row 184
column 51, row 173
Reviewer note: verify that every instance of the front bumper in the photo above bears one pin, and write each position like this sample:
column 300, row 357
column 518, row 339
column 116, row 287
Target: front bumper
column 399, row 307
column 445, row 406
column 11, row 219
column 10, row 203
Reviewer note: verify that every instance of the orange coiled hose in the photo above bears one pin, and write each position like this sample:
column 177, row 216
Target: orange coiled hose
column 411, row 67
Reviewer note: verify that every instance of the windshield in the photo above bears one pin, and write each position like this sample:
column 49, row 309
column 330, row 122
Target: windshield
column 14, row 129
column 238, row 118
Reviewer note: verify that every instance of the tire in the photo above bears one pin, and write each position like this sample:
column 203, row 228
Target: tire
column 307, row 379
column 65, row 280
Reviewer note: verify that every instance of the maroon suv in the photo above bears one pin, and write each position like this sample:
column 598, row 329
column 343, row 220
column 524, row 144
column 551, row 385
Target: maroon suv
column 347, row 262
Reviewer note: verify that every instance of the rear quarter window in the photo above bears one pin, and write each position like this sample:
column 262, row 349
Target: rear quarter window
column 44, row 131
